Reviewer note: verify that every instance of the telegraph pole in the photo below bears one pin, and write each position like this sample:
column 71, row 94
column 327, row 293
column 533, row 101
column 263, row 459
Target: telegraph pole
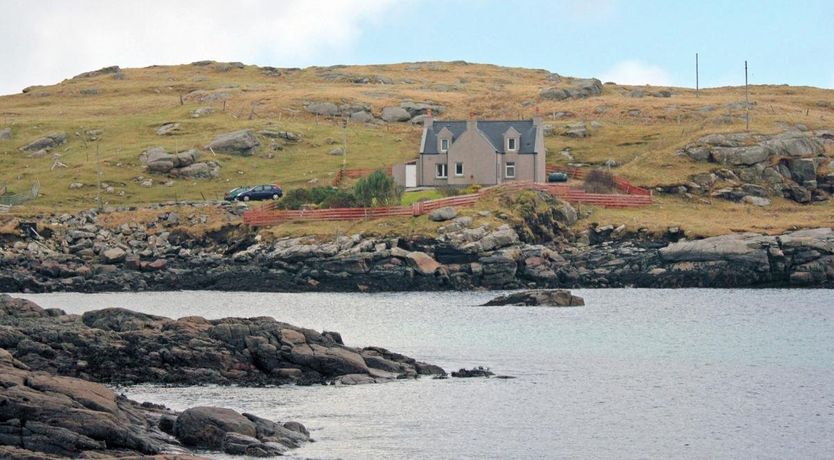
column 697, row 85
column 344, row 143
column 98, row 176
column 746, row 96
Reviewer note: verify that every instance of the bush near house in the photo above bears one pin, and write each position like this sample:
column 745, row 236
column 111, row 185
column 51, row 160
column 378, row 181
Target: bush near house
column 377, row 189
column 599, row 181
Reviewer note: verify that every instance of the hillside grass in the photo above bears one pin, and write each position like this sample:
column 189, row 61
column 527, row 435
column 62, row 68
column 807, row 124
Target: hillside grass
column 129, row 111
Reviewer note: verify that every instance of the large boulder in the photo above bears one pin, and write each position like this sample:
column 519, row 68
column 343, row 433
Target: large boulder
column 538, row 297
column 554, row 94
column 738, row 156
column 327, row 109
column 121, row 320
column 802, row 169
column 747, row 249
column 395, row 114
column 422, row 108
column 422, row 262
column 49, row 141
column 243, row 143
column 206, row 427
column 5, row 134
column 443, row 214
column 361, row 117
column 796, row 145
column 202, row 170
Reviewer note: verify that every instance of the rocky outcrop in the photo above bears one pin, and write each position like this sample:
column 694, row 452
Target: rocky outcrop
column 538, row 248
column 126, row 347
column 44, row 415
column 111, row 70
column 327, row 109
column 183, row 164
column 785, row 165
column 538, row 298
column 243, row 143
column 168, row 129
column 580, row 88
column 395, row 114
column 47, row 142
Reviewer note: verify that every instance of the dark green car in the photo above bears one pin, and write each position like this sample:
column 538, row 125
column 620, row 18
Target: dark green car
column 232, row 194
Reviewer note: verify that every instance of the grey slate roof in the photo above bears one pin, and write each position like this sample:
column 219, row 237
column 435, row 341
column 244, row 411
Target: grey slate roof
column 493, row 130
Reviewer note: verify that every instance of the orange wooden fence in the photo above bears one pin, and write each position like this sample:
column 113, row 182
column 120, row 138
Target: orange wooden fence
column 622, row 184
column 269, row 215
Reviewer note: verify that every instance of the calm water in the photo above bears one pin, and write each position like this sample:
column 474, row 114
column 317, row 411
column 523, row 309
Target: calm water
column 635, row 374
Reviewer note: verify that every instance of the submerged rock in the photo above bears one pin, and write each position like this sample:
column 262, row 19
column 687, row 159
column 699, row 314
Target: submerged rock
column 474, row 372
column 538, row 297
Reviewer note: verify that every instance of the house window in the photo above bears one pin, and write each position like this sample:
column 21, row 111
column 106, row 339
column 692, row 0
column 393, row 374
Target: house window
column 509, row 170
column 511, row 144
column 459, row 169
column 444, row 145
column 442, row 172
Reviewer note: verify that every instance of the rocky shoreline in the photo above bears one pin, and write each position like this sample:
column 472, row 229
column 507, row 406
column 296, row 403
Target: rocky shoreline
column 53, row 365
column 77, row 254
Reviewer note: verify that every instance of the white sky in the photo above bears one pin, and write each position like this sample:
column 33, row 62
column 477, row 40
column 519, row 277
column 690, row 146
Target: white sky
column 44, row 42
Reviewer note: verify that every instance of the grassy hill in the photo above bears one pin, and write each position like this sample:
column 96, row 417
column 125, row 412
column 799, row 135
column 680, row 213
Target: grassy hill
column 118, row 114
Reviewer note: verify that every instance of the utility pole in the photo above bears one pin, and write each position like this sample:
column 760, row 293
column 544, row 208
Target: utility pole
column 697, row 85
column 746, row 96
column 98, row 176
column 344, row 143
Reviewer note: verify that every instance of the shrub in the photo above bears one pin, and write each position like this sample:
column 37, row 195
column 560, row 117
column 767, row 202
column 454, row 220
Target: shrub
column 377, row 189
column 448, row 190
column 294, row 199
column 339, row 199
column 599, row 181
column 300, row 197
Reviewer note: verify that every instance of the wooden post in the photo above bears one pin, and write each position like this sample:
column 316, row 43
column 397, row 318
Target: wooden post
column 746, row 96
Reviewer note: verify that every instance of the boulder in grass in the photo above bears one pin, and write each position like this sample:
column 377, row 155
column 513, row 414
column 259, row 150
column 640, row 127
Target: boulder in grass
column 243, row 143
column 538, row 298
column 47, row 142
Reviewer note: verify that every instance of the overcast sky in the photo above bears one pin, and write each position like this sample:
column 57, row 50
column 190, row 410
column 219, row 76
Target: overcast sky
column 626, row 41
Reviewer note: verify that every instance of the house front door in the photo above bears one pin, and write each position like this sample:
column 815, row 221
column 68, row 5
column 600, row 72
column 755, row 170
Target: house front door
column 410, row 175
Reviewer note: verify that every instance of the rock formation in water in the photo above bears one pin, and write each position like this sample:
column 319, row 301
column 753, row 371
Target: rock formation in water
column 44, row 416
column 538, row 297
column 126, row 347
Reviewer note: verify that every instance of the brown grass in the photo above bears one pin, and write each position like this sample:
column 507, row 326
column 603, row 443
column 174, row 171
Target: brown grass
column 129, row 111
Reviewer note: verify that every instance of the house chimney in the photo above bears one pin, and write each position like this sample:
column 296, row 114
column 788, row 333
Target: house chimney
column 537, row 120
column 428, row 121
column 471, row 123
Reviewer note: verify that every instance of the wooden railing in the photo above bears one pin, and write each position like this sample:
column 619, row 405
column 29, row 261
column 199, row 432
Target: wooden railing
column 269, row 215
column 623, row 185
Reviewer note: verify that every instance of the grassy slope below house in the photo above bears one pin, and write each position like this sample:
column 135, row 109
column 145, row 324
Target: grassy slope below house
column 640, row 134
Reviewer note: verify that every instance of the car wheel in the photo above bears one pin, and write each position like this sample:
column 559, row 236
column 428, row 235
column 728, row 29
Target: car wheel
column 246, row 198
column 275, row 197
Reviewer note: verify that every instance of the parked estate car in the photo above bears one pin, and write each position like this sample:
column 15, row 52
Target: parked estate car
column 557, row 177
column 232, row 194
column 261, row 192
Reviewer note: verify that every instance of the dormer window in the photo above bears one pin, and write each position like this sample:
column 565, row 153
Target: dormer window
column 444, row 145
column 511, row 140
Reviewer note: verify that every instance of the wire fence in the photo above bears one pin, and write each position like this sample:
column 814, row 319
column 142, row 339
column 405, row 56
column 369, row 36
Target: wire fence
column 9, row 199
